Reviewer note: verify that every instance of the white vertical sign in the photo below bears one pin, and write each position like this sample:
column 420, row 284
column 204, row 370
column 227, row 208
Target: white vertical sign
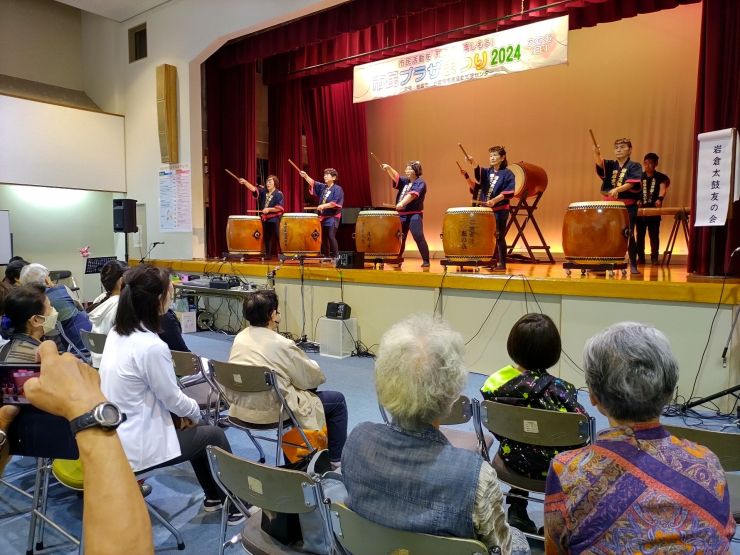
column 714, row 180
column 175, row 199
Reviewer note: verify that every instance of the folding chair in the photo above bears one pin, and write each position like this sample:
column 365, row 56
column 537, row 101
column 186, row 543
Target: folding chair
column 192, row 378
column 363, row 537
column 271, row 489
column 462, row 412
column 243, row 379
column 544, row 428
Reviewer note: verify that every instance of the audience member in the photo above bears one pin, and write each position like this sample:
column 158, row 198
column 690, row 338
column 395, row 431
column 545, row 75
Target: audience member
column 534, row 346
column 31, row 317
column 299, row 376
column 162, row 426
column 103, row 310
column 72, row 316
column 171, row 329
column 637, row 489
column 406, row 474
column 13, row 270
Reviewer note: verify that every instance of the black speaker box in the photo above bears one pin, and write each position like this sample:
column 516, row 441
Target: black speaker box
column 124, row 215
column 338, row 311
column 351, row 259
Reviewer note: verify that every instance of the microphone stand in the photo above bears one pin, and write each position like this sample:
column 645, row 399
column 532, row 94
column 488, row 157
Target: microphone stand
column 150, row 250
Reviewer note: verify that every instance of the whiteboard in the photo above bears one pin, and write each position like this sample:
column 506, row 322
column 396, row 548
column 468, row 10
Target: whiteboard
column 58, row 146
column 6, row 250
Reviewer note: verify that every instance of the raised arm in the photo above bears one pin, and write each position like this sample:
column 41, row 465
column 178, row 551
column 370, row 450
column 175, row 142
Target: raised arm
column 309, row 180
column 393, row 174
column 248, row 185
column 113, row 504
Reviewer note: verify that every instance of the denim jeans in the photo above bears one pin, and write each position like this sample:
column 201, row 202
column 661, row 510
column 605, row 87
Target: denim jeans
column 335, row 410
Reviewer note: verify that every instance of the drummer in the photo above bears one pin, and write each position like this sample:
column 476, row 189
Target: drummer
column 331, row 198
column 270, row 204
column 410, row 206
column 654, row 188
column 494, row 186
column 621, row 179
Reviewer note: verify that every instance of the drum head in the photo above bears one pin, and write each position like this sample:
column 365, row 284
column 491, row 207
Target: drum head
column 469, row 210
column 369, row 213
column 597, row 204
column 251, row 218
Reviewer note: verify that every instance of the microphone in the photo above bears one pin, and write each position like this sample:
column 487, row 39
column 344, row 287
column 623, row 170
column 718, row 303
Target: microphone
column 150, row 250
column 157, row 243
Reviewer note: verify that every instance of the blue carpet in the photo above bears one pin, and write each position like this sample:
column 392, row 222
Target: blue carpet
column 176, row 492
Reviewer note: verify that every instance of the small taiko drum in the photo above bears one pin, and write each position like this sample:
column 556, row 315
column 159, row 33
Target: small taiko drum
column 529, row 180
column 300, row 234
column 244, row 234
column 595, row 232
column 468, row 233
column 378, row 233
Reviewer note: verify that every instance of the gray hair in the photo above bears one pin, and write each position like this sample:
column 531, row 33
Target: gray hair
column 419, row 371
column 34, row 274
column 631, row 371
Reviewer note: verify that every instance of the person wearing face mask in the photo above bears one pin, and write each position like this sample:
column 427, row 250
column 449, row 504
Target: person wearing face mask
column 299, row 376
column 410, row 206
column 31, row 318
column 136, row 372
column 270, row 204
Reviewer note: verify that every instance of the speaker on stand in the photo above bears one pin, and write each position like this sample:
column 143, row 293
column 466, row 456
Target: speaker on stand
column 124, row 218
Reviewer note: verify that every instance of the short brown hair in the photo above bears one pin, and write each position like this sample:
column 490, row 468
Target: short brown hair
column 623, row 141
column 275, row 180
column 332, row 172
column 415, row 166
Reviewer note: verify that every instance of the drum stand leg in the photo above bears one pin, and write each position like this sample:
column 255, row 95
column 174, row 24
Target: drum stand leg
column 513, row 220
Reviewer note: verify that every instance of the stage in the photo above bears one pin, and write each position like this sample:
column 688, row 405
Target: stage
column 484, row 305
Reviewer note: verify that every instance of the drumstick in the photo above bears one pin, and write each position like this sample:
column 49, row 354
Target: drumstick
column 376, row 159
column 596, row 146
column 463, row 150
column 458, row 165
column 310, row 207
column 387, row 205
column 231, row 174
column 479, row 203
column 292, row 164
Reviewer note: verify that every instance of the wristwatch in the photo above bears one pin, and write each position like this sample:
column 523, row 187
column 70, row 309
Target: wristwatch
column 106, row 415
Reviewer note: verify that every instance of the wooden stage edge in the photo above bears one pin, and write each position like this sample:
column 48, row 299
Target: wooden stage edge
column 655, row 283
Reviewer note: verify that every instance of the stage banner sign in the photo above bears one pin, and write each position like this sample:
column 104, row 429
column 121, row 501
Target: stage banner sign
column 540, row 44
column 714, row 179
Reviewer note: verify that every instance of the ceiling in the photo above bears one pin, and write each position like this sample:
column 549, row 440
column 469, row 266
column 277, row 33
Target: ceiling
column 118, row 10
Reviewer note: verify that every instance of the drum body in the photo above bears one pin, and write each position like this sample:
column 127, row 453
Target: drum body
column 378, row 233
column 300, row 234
column 468, row 234
column 244, row 234
column 595, row 232
column 530, row 179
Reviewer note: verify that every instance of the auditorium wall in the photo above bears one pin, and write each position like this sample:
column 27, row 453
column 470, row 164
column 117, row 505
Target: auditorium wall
column 632, row 78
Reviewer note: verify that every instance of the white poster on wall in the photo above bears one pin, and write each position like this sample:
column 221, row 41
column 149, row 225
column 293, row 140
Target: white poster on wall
column 714, row 179
column 175, row 199
column 540, row 44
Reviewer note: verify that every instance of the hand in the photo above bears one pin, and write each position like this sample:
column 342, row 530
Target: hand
column 67, row 386
column 265, row 210
column 658, row 203
column 399, row 206
column 186, row 423
column 597, row 150
column 385, row 167
column 242, row 181
column 613, row 193
column 490, row 203
column 7, row 414
column 470, row 160
column 320, row 207
column 303, row 174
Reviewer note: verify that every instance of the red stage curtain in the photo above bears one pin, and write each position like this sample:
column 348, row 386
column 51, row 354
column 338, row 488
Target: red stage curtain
column 336, row 136
column 285, row 129
column 231, row 145
column 717, row 107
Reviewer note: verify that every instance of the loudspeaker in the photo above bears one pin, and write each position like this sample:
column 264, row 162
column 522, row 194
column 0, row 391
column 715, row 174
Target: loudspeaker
column 351, row 259
column 167, row 113
column 124, row 215
column 338, row 311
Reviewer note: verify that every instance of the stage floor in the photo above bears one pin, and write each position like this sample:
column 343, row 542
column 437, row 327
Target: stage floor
column 656, row 283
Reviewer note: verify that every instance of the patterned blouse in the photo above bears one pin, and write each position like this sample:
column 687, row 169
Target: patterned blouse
column 638, row 490
column 535, row 389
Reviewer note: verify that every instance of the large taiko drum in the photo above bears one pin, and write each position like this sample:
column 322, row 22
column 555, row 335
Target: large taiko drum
column 300, row 234
column 530, row 180
column 378, row 233
column 244, row 234
column 468, row 233
column 595, row 232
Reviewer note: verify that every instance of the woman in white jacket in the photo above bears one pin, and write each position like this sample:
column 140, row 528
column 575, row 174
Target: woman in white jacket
column 162, row 426
column 102, row 314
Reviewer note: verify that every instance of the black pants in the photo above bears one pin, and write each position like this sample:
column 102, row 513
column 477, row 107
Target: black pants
column 415, row 223
column 632, row 245
column 651, row 224
column 335, row 410
column 193, row 443
column 270, row 235
column 502, row 216
column 329, row 246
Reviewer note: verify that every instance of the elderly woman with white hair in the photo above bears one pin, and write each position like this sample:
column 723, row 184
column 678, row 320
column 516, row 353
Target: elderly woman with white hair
column 637, row 489
column 405, row 474
column 72, row 316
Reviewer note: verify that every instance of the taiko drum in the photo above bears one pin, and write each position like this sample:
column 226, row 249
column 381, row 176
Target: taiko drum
column 300, row 234
column 378, row 233
column 244, row 234
column 529, row 180
column 595, row 232
column 468, row 233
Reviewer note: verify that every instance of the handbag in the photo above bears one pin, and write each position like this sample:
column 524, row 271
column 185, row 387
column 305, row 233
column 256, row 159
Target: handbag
column 295, row 448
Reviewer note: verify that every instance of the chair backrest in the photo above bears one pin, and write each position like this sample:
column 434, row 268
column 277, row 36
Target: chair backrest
column 546, row 428
column 363, row 537
column 725, row 445
column 460, row 413
column 240, row 377
column 94, row 342
column 186, row 364
column 267, row 487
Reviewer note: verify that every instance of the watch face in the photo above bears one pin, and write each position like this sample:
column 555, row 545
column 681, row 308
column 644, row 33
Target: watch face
column 110, row 414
